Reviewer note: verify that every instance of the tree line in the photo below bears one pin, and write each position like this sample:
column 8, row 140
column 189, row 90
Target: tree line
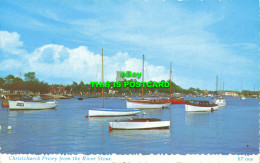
column 29, row 84
column 32, row 84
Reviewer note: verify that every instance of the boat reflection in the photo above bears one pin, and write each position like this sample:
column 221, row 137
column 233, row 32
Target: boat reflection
column 152, row 111
column 197, row 118
column 146, row 135
column 17, row 112
column 221, row 107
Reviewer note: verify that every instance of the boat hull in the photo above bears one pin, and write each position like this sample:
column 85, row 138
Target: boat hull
column 176, row 101
column 124, row 125
column 192, row 108
column 21, row 105
column 242, row 98
column 112, row 112
column 145, row 104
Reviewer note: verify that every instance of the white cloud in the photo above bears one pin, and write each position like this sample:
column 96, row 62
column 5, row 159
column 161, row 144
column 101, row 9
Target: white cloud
column 81, row 64
column 10, row 42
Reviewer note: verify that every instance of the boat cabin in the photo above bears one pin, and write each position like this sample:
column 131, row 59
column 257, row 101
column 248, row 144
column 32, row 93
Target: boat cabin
column 199, row 103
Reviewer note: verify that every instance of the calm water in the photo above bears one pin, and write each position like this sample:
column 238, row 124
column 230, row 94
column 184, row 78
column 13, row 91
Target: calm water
column 66, row 130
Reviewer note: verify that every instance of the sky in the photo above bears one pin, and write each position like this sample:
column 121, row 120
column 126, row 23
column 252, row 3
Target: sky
column 62, row 41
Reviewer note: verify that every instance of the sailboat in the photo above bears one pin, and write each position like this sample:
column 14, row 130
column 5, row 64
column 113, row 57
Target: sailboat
column 174, row 100
column 146, row 103
column 242, row 97
column 221, row 102
column 102, row 112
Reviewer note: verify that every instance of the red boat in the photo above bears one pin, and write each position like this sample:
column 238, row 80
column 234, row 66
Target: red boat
column 176, row 100
column 5, row 104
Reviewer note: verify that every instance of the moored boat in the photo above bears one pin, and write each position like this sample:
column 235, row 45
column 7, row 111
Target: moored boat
column 147, row 104
column 139, row 124
column 242, row 97
column 175, row 100
column 5, row 104
column 22, row 105
column 200, row 106
column 37, row 98
column 221, row 102
column 26, row 97
column 124, row 98
column 101, row 112
column 45, row 97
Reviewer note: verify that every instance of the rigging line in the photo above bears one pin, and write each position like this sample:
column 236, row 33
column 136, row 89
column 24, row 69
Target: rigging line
column 140, row 66
column 146, row 71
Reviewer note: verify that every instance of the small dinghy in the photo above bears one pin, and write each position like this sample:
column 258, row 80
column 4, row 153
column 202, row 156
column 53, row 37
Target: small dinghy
column 101, row 112
column 139, row 124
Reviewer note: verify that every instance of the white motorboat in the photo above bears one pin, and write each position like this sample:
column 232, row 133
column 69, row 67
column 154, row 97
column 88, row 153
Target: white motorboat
column 221, row 102
column 21, row 105
column 139, row 124
column 242, row 97
column 101, row 112
column 200, row 106
column 37, row 98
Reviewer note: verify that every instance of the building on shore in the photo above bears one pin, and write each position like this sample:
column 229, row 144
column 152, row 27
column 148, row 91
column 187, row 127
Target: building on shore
column 57, row 89
column 118, row 76
column 231, row 93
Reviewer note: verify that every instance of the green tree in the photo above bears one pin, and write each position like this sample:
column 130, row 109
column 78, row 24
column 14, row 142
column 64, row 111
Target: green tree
column 68, row 88
column 9, row 79
column 2, row 82
column 18, row 84
column 29, row 76
column 75, row 87
column 43, row 87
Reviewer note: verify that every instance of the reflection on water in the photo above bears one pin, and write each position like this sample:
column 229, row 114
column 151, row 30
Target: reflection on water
column 221, row 107
column 141, row 134
column 197, row 118
column 152, row 111
column 16, row 112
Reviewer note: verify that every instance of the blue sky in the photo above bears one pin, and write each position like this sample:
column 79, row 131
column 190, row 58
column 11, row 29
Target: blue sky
column 62, row 40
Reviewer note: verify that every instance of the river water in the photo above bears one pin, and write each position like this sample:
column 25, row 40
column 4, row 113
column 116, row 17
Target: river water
column 230, row 130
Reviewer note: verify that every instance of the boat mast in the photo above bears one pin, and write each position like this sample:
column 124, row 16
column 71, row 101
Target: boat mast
column 143, row 79
column 171, row 80
column 102, row 81
column 217, row 84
